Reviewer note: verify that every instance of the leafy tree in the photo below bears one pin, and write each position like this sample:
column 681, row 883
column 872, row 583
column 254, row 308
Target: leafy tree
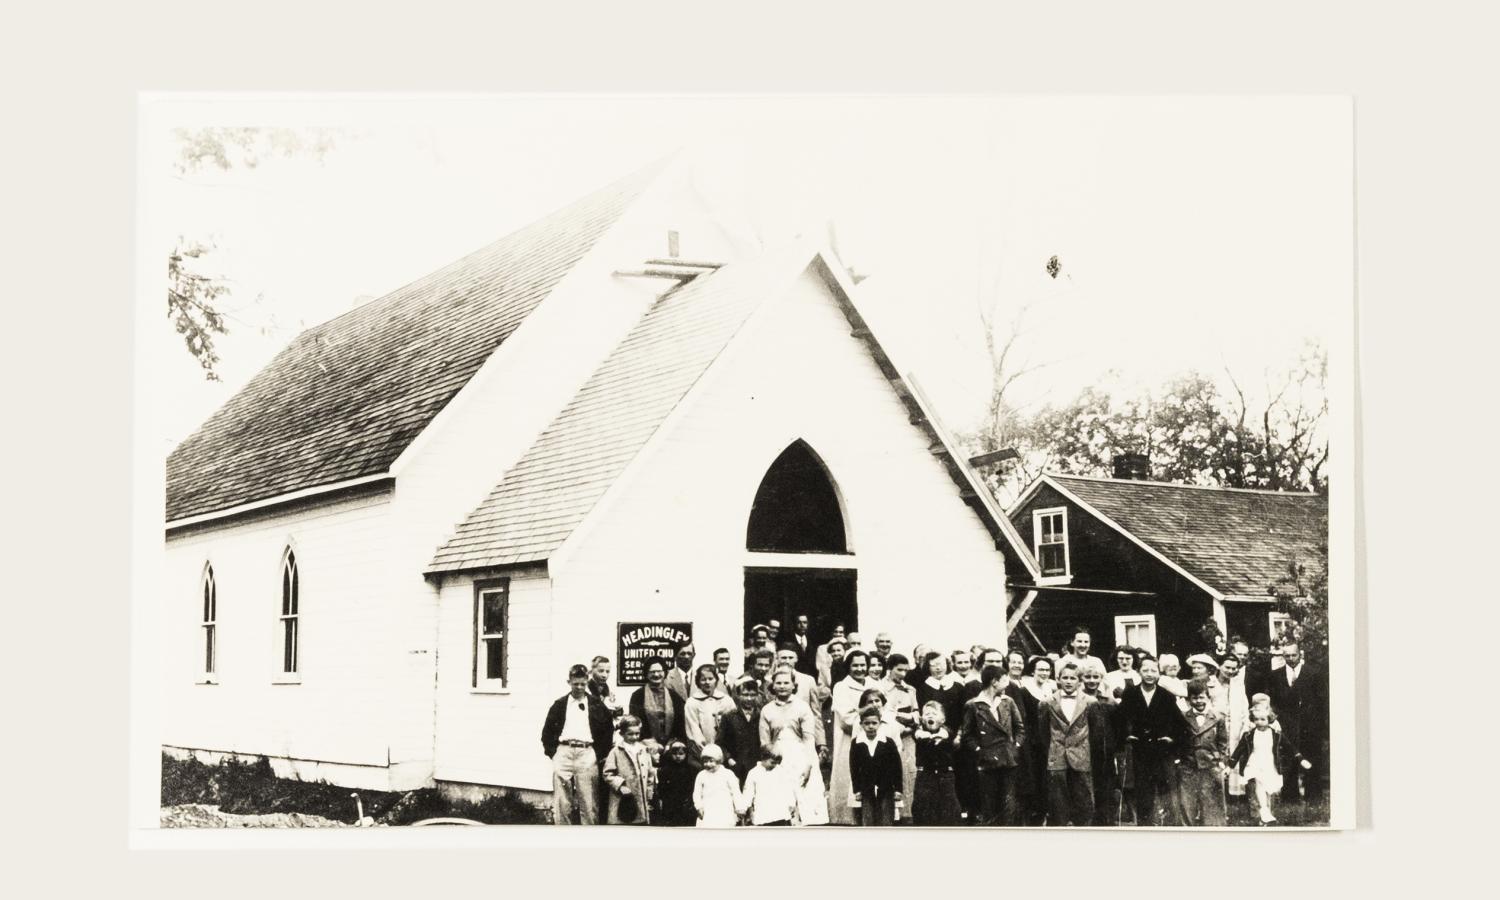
column 1192, row 433
column 227, row 148
column 1303, row 595
column 196, row 296
column 193, row 303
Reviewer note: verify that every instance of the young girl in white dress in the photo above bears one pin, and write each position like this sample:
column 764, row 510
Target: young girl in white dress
column 1256, row 759
column 716, row 792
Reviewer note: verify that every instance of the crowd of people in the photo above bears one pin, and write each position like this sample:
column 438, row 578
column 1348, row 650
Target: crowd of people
column 842, row 734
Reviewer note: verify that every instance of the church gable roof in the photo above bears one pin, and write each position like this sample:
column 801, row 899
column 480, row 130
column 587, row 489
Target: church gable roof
column 346, row 397
column 549, row 492
column 556, row 484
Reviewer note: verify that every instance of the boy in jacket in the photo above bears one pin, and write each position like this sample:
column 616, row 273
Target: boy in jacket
column 1204, row 759
column 993, row 732
column 874, row 772
column 1156, row 732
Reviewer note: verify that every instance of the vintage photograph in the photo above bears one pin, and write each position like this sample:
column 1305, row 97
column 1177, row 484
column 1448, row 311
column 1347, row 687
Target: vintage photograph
column 772, row 461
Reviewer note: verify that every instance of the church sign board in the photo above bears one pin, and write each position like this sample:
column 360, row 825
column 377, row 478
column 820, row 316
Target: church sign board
column 641, row 642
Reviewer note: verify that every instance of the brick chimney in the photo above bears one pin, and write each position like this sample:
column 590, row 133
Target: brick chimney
column 1136, row 466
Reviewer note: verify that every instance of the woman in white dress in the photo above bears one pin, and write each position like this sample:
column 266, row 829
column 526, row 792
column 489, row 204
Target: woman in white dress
column 845, row 708
column 1233, row 703
column 789, row 725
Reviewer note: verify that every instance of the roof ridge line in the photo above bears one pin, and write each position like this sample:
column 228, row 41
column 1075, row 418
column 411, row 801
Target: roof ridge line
column 1175, row 484
column 544, row 219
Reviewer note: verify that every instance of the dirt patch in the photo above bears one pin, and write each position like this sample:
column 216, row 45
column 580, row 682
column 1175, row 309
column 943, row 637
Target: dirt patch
column 201, row 815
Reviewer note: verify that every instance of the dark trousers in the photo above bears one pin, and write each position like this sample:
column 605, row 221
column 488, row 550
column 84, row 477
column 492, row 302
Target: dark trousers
column 879, row 810
column 1107, row 801
column 1155, row 787
column 1202, row 793
column 1310, row 781
column 1070, row 797
column 998, row 804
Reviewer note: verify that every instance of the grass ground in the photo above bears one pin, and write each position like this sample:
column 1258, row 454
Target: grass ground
column 251, row 788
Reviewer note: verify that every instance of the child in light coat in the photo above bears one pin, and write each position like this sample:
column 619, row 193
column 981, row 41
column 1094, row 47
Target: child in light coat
column 716, row 792
column 630, row 775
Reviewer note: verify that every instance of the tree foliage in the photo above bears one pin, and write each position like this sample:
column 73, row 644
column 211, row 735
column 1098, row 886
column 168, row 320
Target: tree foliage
column 195, row 295
column 1192, row 431
column 229, row 148
column 193, row 303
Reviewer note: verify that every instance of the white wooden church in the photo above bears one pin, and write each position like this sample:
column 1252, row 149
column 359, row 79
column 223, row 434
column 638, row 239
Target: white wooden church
column 385, row 551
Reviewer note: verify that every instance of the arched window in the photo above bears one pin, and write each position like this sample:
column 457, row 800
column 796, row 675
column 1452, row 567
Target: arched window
column 288, row 632
column 796, row 508
column 210, row 623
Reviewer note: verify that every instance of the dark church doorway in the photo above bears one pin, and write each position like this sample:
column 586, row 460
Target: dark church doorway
column 825, row 596
column 797, row 511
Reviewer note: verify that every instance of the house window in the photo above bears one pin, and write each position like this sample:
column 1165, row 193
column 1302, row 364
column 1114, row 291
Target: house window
column 1050, row 541
column 1136, row 631
column 289, row 614
column 210, row 623
column 491, row 617
column 1282, row 629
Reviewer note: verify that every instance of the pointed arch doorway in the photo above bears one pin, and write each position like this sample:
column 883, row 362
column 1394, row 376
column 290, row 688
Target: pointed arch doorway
column 800, row 560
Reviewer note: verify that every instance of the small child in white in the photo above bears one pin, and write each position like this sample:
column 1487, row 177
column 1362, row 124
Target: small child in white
column 716, row 792
column 770, row 796
column 1258, row 759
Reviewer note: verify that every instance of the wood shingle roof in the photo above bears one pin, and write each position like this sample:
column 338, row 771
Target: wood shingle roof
column 547, row 494
column 1239, row 542
column 346, row 397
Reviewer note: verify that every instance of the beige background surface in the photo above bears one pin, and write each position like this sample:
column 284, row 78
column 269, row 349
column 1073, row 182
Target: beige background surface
column 1426, row 142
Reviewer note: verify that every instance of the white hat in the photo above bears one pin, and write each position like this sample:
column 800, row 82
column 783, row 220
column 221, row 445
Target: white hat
column 1208, row 661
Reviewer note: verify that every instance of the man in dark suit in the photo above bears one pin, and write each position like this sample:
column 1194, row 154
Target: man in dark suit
column 1156, row 732
column 993, row 732
column 576, row 734
column 1299, row 697
column 807, row 663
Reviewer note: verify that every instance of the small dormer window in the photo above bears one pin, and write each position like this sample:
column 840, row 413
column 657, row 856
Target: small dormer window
column 1050, row 541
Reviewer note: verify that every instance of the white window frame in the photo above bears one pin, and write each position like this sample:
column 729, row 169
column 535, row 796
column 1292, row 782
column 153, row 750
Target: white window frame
column 289, row 620
column 479, row 679
column 209, row 627
column 1147, row 619
column 1036, row 545
column 1272, row 618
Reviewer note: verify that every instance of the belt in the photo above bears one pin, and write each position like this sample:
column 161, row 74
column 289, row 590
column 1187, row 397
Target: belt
column 575, row 743
column 930, row 769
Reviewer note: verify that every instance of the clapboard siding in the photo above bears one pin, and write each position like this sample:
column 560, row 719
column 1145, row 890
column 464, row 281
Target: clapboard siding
column 358, row 652
column 495, row 737
column 372, row 625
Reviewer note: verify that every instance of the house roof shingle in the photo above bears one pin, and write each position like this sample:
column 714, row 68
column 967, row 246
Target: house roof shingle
column 1240, row 542
column 565, row 473
column 346, row 397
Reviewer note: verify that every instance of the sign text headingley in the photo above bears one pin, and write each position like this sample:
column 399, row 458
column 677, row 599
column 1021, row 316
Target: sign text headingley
column 641, row 642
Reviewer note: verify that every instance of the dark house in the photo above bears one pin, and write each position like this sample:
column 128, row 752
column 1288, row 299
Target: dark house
column 1150, row 564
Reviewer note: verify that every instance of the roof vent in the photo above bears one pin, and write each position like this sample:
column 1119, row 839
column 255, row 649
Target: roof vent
column 1133, row 466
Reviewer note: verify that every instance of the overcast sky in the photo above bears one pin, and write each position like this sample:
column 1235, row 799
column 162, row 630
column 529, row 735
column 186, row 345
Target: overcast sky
column 1204, row 234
